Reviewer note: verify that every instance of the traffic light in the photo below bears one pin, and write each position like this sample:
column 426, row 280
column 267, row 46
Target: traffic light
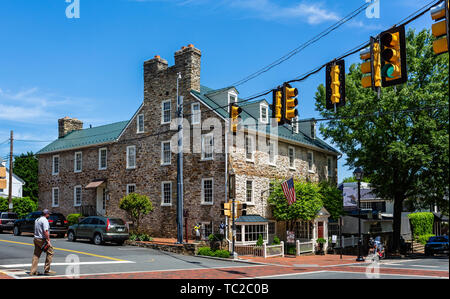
column 277, row 105
column 2, row 177
column 335, row 84
column 235, row 110
column 241, row 209
column 289, row 103
column 393, row 56
column 225, row 209
column 440, row 29
column 371, row 67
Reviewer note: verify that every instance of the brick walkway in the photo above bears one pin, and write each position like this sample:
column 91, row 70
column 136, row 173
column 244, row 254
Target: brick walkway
column 316, row 260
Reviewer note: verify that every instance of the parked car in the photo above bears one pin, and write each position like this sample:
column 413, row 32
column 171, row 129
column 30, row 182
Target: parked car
column 438, row 244
column 7, row 221
column 99, row 230
column 57, row 221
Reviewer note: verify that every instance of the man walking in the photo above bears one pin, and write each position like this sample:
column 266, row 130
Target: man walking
column 42, row 243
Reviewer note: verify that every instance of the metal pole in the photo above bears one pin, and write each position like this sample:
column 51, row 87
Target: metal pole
column 180, row 167
column 233, row 227
column 360, row 258
column 340, row 233
column 11, row 166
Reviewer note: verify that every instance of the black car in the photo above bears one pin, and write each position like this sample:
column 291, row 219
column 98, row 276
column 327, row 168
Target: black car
column 57, row 221
column 7, row 220
column 437, row 244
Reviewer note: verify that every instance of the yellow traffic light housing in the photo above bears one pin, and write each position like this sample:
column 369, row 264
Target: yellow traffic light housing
column 226, row 209
column 289, row 102
column 241, row 209
column 235, row 111
column 393, row 56
column 335, row 84
column 277, row 105
column 371, row 67
column 440, row 30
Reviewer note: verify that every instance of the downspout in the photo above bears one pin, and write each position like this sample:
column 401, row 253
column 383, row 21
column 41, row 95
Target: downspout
column 226, row 183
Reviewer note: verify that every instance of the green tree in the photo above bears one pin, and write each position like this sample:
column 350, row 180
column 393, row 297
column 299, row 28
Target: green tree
column 26, row 167
column 352, row 179
column 136, row 206
column 306, row 207
column 403, row 153
column 332, row 199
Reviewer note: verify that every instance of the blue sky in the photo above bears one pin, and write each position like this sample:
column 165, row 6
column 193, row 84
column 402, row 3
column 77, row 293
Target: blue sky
column 91, row 67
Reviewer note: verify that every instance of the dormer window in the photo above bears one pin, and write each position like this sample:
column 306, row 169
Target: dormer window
column 313, row 130
column 263, row 112
column 232, row 98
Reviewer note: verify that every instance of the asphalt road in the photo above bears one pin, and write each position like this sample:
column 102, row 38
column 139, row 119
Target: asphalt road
column 111, row 260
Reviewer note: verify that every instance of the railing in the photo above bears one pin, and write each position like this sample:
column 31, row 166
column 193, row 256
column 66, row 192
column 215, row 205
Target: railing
column 88, row 211
column 346, row 242
column 304, row 247
column 264, row 251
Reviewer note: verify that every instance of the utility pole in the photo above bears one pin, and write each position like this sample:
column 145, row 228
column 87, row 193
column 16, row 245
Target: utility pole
column 180, row 167
column 10, row 172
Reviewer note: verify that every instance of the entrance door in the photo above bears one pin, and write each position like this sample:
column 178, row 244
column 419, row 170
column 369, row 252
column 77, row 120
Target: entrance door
column 320, row 229
column 101, row 201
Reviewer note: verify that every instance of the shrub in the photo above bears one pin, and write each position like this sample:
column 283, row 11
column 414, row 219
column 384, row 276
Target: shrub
column 276, row 241
column 137, row 206
column 321, row 241
column 21, row 205
column 291, row 249
column 424, row 238
column 144, row 237
column 133, row 237
column 205, row 251
column 73, row 218
column 260, row 241
column 222, row 253
column 422, row 223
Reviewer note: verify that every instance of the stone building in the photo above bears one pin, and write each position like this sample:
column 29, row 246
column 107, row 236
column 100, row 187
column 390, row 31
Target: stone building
column 90, row 170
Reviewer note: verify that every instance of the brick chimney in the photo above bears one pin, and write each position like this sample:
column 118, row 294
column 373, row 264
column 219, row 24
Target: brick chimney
column 67, row 125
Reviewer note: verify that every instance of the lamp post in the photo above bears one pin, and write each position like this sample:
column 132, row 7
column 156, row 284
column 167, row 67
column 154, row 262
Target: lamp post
column 358, row 173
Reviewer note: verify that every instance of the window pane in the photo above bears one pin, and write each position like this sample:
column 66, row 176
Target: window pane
column 166, row 153
column 103, row 158
column 249, row 191
column 195, row 113
column 291, row 157
column 208, row 191
column 167, row 193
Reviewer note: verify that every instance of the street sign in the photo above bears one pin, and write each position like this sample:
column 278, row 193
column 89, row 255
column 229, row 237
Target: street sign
column 290, row 236
column 334, row 239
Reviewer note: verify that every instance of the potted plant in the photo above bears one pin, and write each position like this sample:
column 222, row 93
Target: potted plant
column 320, row 242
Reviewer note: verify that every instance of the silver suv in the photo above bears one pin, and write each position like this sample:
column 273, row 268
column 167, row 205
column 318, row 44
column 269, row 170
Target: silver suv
column 7, row 221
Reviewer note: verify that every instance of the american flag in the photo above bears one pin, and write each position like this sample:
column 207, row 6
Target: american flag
column 289, row 190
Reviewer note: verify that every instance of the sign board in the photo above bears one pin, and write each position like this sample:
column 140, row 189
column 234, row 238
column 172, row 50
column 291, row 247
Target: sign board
column 334, row 239
column 290, row 236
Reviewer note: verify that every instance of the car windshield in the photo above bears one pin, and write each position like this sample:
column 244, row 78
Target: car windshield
column 9, row 216
column 56, row 217
column 437, row 239
column 116, row 221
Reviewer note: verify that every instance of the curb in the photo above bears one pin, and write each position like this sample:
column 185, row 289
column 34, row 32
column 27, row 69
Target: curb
column 229, row 260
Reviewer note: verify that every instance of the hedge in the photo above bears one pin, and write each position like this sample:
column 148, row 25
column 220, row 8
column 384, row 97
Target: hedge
column 424, row 238
column 422, row 223
column 21, row 205
column 73, row 218
column 206, row 251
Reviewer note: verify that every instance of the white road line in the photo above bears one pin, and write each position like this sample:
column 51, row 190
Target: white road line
column 425, row 266
column 290, row 274
column 381, row 274
column 68, row 264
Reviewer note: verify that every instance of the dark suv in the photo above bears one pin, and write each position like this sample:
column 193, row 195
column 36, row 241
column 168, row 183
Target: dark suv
column 57, row 221
column 437, row 244
column 7, row 220
column 99, row 229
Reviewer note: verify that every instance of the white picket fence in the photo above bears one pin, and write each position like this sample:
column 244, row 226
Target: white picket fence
column 304, row 247
column 264, row 251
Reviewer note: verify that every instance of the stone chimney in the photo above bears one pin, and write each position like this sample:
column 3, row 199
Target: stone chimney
column 67, row 125
column 187, row 61
column 153, row 66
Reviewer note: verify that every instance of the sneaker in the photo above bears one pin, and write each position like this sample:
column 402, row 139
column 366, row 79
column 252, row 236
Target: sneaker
column 50, row 273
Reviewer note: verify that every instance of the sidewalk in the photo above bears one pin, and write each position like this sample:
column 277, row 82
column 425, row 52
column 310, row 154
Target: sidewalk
column 306, row 260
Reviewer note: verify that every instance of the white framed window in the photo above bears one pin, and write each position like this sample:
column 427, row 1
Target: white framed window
column 272, row 153
column 55, row 197
column 264, row 113
column 330, row 167
column 140, row 123
column 131, row 188
column 295, row 125
column 208, row 147
column 206, row 229
column 196, row 114
column 78, row 162
column 131, row 157
column 166, row 153
column 55, row 164
column 232, row 98
column 249, row 148
column 291, row 154
column 310, row 158
column 166, row 110
column 249, row 191
column 253, row 231
column 207, row 191
column 102, row 158
column 166, row 193
column 77, row 196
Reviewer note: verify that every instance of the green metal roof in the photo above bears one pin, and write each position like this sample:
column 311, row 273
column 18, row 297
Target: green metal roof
column 251, row 218
column 251, row 110
column 86, row 137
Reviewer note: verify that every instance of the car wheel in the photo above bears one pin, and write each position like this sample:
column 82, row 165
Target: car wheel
column 98, row 239
column 16, row 231
column 71, row 236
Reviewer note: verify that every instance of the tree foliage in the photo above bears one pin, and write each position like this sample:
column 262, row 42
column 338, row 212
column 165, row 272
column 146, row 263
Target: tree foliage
column 26, row 167
column 21, row 205
column 406, row 154
column 306, row 207
column 136, row 206
column 332, row 199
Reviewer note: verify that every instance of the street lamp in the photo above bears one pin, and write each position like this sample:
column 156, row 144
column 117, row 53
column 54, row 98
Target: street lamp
column 358, row 173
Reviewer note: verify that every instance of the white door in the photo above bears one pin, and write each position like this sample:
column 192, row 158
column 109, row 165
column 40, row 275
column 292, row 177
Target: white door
column 101, row 201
